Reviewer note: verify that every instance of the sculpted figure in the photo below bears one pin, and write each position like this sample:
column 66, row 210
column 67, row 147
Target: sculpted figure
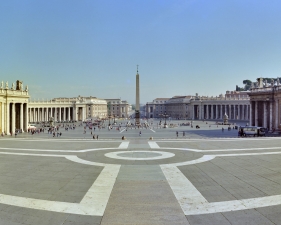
column 26, row 88
column 7, row 85
column 13, row 86
column 2, row 85
column 252, row 85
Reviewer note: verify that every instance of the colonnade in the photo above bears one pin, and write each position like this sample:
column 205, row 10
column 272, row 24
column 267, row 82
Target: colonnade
column 264, row 114
column 41, row 114
column 17, row 117
column 217, row 111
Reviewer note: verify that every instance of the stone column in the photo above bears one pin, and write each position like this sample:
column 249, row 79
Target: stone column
column 56, row 114
column 83, row 113
column 264, row 114
column 201, row 111
column 247, row 112
column 251, row 117
column 64, row 114
column 26, row 117
column 21, row 116
column 212, row 111
column 33, row 114
column 59, row 114
column 199, row 108
column 234, row 112
column 243, row 112
column 13, row 118
column 91, row 108
column 229, row 116
column 75, row 113
column 276, row 114
column 216, row 110
column 256, row 113
column 47, row 114
column 8, row 119
column 239, row 112
column 3, row 118
column 270, row 115
column 221, row 112
column 68, row 114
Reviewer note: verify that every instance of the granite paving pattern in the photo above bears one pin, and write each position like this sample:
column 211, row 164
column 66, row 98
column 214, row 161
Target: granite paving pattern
column 215, row 168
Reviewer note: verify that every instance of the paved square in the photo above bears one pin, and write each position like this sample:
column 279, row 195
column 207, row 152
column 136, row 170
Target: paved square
column 201, row 176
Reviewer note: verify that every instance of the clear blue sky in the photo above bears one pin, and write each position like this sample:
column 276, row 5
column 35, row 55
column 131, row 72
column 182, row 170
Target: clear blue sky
column 65, row 48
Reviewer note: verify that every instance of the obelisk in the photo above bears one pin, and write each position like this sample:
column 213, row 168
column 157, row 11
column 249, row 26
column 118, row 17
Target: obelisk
column 137, row 110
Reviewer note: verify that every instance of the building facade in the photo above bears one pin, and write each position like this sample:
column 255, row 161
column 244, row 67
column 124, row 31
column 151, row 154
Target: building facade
column 156, row 108
column 265, row 104
column 17, row 110
column 118, row 108
column 67, row 109
column 13, row 107
column 235, row 104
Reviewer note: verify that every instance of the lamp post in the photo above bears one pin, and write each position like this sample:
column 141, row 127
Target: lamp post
column 165, row 116
column 114, row 119
column 109, row 120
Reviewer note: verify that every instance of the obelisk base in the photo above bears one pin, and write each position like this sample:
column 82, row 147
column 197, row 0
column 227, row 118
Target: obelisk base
column 137, row 118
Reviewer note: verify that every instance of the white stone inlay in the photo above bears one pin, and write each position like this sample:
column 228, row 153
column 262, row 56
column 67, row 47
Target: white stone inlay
column 124, row 144
column 163, row 155
column 93, row 203
column 153, row 144
column 95, row 200
column 193, row 202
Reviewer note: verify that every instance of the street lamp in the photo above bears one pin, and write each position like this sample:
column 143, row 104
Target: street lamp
column 109, row 120
column 165, row 116
column 114, row 120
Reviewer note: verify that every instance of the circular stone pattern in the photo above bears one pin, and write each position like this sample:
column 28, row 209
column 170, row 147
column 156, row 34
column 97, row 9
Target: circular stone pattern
column 139, row 155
